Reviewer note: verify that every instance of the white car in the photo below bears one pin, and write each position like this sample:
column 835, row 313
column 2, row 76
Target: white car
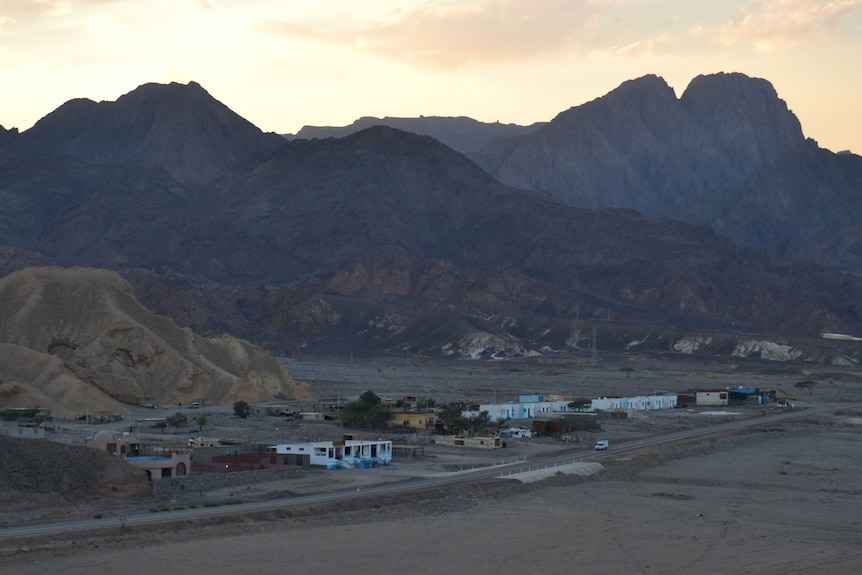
column 601, row 444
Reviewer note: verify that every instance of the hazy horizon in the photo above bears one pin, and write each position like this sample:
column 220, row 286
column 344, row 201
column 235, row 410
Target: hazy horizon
column 284, row 65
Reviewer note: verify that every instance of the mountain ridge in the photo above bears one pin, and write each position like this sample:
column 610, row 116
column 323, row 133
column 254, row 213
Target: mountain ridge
column 375, row 236
column 179, row 128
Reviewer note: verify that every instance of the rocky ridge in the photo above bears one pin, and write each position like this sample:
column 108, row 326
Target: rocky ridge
column 78, row 340
column 387, row 241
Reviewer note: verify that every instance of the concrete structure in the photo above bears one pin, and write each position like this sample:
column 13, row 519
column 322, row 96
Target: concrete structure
column 172, row 464
column 516, row 433
column 341, row 454
column 168, row 463
column 473, row 441
column 24, row 428
column 712, row 397
column 527, row 407
column 246, row 457
column 120, row 445
column 637, row 403
column 413, row 419
column 742, row 396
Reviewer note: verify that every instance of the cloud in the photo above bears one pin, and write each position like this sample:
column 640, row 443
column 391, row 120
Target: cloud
column 776, row 25
column 16, row 10
column 449, row 34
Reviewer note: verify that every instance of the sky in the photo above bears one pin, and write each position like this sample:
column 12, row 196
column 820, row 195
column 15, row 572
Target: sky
column 283, row 64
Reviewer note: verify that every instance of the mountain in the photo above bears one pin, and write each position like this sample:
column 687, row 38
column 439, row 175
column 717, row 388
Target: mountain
column 728, row 153
column 463, row 134
column 77, row 339
column 175, row 127
column 385, row 241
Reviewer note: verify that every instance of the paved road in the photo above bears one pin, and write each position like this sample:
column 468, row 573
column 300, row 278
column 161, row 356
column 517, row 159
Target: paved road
column 147, row 518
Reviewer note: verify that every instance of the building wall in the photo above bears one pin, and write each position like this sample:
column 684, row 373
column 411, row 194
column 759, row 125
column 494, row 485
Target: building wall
column 178, row 464
column 520, row 410
column 471, row 441
column 637, row 403
column 413, row 420
column 344, row 453
column 712, row 398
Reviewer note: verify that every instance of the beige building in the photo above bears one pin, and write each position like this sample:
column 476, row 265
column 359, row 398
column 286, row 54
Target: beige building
column 413, row 419
column 473, row 441
column 168, row 463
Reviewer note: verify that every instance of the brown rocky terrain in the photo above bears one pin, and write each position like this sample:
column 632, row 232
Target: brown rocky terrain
column 76, row 340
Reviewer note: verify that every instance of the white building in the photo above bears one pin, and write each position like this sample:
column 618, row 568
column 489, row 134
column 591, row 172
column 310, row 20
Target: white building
column 342, row 454
column 527, row 407
column 712, row 397
column 637, row 403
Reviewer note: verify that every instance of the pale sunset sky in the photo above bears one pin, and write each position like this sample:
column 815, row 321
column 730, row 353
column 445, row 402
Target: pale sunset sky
column 283, row 64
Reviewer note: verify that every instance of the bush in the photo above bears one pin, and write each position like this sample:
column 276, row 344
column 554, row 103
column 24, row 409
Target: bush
column 241, row 409
column 179, row 419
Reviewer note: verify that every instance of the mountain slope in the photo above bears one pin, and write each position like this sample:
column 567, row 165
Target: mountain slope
column 640, row 147
column 728, row 153
column 392, row 241
column 179, row 128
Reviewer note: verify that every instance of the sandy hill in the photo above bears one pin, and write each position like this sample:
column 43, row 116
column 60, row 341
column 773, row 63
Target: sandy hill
column 77, row 340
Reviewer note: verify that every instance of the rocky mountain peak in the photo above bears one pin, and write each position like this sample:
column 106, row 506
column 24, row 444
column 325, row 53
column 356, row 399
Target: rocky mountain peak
column 640, row 147
column 749, row 122
column 176, row 127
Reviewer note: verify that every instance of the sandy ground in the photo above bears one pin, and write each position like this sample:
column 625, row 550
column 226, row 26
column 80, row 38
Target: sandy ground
column 778, row 500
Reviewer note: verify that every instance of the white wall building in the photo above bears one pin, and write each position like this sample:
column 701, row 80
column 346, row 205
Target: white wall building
column 637, row 403
column 714, row 397
column 527, row 407
column 342, row 454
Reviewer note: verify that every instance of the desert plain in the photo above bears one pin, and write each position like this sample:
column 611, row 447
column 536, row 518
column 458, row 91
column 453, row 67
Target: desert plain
column 780, row 498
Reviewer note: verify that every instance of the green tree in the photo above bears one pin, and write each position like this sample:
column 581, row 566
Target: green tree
column 369, row 398
column 201, row 421
column 452, row 418
column 367, row 411
column 241, row 409
column 480, row 421
column 581, row 404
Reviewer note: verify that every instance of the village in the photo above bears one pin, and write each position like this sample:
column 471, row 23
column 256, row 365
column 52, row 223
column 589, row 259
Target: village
column 548, row 449
column 174, row 443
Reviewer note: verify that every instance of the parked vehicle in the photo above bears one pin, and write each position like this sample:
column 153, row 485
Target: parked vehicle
column 601, row 444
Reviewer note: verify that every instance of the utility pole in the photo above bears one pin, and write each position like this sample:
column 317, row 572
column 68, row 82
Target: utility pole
column 595, row 350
